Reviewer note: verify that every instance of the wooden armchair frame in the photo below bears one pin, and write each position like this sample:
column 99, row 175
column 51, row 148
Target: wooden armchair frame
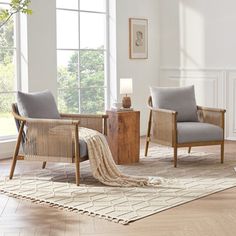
column 163, row 124
column 96, row 122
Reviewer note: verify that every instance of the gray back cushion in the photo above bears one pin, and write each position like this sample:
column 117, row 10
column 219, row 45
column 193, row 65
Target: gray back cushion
column 181, row 99
column 37, row 105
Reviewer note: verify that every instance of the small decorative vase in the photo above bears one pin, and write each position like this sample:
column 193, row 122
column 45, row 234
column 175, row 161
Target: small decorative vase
column 126, row 102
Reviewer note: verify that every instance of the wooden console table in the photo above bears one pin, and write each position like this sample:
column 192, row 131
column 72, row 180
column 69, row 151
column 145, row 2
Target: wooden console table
column 124, row 136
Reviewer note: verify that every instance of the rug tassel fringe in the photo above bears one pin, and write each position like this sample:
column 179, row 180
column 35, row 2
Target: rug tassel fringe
column 61, row 207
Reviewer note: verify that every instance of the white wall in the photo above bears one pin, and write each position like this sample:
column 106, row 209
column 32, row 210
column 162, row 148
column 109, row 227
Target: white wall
column 201, row 32
column 6, row 148
column 42, row 64
column 198, row 47
column 143, row 71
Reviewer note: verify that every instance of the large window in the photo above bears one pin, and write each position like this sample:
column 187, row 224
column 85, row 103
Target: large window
column 82, row 55
column 8, row 74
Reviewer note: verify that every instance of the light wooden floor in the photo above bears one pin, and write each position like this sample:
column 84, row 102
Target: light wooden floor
column 214, row 215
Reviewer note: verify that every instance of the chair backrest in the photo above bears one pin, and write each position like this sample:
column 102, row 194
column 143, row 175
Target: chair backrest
column 40, row 105
column 16, row 111
column 180, row 99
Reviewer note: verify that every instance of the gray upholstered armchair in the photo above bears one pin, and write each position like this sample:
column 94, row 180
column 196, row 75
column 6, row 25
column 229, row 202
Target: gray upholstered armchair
column 48, row 136
column 175, row 120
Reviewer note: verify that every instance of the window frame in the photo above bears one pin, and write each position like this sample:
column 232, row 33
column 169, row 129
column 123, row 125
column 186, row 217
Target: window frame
column 106, row 85
column 17, row 63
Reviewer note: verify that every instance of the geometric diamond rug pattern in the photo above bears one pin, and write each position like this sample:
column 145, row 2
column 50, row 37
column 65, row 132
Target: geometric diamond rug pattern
column 198, row 174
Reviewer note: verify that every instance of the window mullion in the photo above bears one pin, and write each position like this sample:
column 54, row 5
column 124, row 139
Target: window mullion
column 107, row 65
column 18, row 53
column 79, row 78
column 11, row 80
column 75, row 10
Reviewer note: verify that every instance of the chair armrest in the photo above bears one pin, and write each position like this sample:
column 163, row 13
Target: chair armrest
column 78, row 116
column 213, row 116
column 44, row 121
column 91, row 121
column 164, row 126
column 163, row 110
column 55, row 122
column 211, row 109
column 41, row 125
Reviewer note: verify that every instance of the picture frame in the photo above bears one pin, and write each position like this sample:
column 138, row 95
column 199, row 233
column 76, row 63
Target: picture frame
column 138, row 38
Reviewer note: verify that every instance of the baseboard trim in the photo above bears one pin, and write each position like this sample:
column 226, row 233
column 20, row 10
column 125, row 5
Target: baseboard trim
column 7, row 148
column 231, row 138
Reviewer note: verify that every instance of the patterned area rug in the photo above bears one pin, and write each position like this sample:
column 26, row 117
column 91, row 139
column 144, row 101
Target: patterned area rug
column 197, row 175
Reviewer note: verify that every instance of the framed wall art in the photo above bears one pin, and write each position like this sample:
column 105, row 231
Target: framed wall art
column 138, row 38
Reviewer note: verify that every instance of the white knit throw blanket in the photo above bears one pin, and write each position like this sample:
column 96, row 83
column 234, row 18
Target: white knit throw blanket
column 103, row 166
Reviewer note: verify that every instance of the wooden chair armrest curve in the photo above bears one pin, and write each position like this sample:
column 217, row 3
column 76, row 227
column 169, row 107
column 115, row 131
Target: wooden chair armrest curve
column 52, row 121
column 39, row 120
column 163, row 110
column 18, row 117
column 48, row 121
column 74, row 116
column 211, row 109
column 212, row 116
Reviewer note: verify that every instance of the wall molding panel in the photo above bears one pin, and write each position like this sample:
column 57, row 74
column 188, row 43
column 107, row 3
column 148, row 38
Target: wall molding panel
column 231, row 108
column 214, row 87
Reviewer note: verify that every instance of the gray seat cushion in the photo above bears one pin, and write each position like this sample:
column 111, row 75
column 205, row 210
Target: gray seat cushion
column 37, row 105
column 198, row 132
column 181, row 99
column 83, row 149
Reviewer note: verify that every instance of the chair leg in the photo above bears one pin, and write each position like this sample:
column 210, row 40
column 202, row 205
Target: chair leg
column 16, row 151
column 175, row 156
column 189, row 150
column 13, row 164
column 146, row 147
column 44, row 165
column 77, row 161
column 148, row 133
column 222, row 152
column 77, row 173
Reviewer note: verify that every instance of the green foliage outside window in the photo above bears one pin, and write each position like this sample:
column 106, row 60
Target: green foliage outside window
column 15, row 7
column 84, row 88
column 7, row 78
column 7, row 69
